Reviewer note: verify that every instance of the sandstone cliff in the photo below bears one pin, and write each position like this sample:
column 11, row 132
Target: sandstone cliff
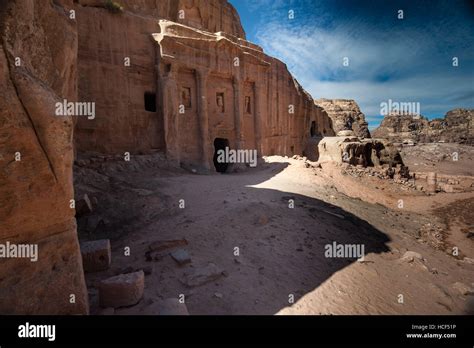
column 252, row 100
column 345, row 115
column 209, row 15
column 455, row 127
column 38, row 68
column 117, row 86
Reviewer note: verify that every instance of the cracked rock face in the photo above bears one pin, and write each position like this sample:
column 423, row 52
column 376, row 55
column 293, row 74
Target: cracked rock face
column 38, row 69
column 455, row 127
column 345, row 115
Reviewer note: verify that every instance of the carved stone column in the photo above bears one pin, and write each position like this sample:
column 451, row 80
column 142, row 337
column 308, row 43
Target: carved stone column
column 238, row 115
column 170, row 101
column 258, row 90
column 202, row 77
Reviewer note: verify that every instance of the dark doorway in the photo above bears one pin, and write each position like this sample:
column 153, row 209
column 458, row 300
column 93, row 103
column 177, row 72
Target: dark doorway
column 150, row 101
column 220, row 144
column 312, row 130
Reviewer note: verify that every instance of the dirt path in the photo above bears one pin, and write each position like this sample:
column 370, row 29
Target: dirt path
column 281, row 250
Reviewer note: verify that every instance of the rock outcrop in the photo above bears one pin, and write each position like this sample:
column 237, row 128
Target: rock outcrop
column 37, row 69
column 345, row 115
column 455, row 127
column 356, row 151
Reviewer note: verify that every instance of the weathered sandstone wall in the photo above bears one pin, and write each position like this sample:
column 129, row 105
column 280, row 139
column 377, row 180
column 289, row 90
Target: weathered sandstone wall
column 37, row 69
column 262, row 106
column 246, row 104
column 106, row 40
column 209, row 15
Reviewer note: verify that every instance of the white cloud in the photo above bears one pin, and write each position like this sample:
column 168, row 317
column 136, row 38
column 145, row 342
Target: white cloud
column 417, row 69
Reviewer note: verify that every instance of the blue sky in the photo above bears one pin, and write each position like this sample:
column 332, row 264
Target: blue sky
column 406, row 60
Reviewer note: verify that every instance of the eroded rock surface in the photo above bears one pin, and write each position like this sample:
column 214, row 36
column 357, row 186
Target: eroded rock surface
column 37, row 69
column 345, row 115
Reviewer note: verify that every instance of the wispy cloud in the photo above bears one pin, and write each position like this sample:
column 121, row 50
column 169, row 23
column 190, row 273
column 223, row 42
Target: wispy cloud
column 388, row 58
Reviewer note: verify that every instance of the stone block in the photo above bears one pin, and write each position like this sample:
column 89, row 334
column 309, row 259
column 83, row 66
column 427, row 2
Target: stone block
column 122, row 290
column 96, row 255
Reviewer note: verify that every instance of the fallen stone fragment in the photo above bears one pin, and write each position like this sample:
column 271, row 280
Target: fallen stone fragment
column 96, row 255
column 203, row 275
column 411, row 256
column 122, row 290
column 181, row 256
column 83, row 206
column 161, row 245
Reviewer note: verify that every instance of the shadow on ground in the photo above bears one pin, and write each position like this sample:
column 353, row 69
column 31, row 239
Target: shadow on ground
column 281, row 250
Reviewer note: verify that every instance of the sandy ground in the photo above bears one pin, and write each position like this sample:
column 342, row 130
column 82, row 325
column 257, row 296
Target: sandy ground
column 281, row 266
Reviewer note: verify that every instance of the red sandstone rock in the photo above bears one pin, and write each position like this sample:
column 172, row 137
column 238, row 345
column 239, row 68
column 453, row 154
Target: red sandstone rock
column 35, row 192
column 122, row 290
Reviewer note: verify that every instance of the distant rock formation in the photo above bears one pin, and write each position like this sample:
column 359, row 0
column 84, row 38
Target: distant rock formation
column 455, row 127
column 345, row 115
